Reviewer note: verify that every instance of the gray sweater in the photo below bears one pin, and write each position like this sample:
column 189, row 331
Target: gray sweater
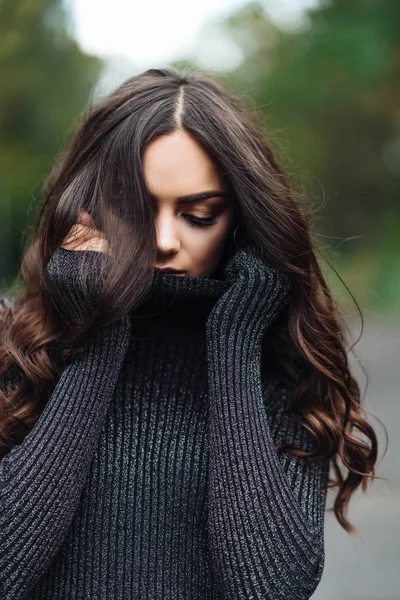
column 151, row 472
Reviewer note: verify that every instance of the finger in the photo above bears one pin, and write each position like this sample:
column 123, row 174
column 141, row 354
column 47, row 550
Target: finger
column 98, row 245
column 80, row 234
column 82, row 238
column 84, row 232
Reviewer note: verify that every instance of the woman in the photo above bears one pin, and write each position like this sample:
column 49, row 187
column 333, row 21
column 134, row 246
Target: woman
column 170, row 435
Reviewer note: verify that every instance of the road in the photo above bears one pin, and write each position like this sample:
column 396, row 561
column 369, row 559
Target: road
column 369, row 568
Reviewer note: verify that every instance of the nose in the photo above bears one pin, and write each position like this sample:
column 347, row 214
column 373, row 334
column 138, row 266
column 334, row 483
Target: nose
column 167, row 238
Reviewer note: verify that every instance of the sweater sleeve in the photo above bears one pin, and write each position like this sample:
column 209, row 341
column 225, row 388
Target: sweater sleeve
column 42, row 478
column 265, row 510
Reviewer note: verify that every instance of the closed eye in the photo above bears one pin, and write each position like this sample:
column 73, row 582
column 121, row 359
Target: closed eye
column 200, row 222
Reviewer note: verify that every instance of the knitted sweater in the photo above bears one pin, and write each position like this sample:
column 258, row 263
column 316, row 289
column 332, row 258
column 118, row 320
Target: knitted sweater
column 152, row 471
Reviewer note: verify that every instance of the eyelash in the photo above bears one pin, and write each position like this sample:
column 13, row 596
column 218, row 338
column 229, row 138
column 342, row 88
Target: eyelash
column 198, row 222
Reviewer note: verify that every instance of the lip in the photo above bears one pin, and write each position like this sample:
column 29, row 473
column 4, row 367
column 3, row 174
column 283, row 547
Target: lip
column 169, row 271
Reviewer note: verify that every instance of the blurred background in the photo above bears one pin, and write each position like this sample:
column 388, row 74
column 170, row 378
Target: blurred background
column 324, row 76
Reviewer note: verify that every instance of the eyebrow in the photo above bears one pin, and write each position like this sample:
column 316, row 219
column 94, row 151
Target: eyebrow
column 193, row 198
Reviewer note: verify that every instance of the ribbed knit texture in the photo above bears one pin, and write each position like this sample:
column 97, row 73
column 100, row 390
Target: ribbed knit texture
column 151, row 473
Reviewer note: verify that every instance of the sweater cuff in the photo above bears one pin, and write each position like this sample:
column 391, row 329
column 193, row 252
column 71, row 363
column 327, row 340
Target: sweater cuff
column 74, row 278
column 249, row 306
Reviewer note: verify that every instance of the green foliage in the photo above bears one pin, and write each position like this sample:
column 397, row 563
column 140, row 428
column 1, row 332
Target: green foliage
column 45, row 82
column 332, row 90
column 330, row 93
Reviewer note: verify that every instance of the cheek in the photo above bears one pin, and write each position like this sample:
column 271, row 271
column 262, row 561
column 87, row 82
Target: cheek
column 205, row 245
column 208, row 237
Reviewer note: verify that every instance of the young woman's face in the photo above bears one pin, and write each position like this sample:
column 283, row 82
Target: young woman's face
column 190, row 235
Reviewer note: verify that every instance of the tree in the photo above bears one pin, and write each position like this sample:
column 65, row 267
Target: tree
column 330, row 89
column 45, row 82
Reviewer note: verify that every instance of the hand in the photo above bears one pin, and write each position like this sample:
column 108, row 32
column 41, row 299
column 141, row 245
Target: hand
column 74, row 270
column 84, row 236
column 257, row 294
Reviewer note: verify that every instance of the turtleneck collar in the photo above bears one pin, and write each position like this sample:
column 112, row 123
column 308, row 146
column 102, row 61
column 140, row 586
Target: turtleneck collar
column 173, row 289
column 178, row 306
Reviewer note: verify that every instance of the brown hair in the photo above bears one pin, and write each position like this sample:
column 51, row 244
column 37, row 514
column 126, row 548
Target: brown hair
column 101, row 171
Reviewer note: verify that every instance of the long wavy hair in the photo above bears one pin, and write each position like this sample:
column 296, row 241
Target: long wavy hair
column 101, row 171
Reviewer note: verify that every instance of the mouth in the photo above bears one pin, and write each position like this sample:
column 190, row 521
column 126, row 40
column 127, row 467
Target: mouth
column 170, row 271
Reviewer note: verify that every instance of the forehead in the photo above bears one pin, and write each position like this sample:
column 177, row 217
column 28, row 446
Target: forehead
column 177, row 165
